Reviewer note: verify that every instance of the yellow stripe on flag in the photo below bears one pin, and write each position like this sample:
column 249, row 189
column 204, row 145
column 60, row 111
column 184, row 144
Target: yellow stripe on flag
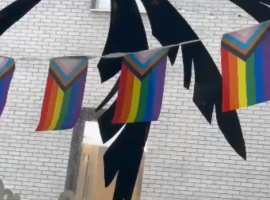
column 135, row 100
column 242, row 86
column 57, row 108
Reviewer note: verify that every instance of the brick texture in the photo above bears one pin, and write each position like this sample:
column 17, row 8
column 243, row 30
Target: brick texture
column 187, row 159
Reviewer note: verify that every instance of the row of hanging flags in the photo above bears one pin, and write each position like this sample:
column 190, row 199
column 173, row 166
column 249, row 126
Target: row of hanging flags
column 140, row 95
column 245, row 61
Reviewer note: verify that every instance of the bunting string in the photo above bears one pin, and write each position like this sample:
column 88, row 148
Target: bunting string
column 114, row 55
column 122, row 54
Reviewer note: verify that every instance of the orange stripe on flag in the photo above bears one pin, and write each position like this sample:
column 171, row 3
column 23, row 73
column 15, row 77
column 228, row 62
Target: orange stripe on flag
column 233, row 81
column 46, row 103
column 121, row 95
column 128, row 96
column 52, row 102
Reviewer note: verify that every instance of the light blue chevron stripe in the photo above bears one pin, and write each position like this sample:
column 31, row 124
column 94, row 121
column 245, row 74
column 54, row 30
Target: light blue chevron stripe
column 245, row 45
column 143, row 65
column 60, row 71
column 9, row 61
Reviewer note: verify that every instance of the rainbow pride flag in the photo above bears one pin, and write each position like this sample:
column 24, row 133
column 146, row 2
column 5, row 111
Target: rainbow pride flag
column 64, row 93
column 141, row 87
column 7, row 67
column 245, row 60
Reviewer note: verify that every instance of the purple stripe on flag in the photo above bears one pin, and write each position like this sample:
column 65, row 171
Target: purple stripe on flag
column 4, row 85
column 266, row 66
column 80, row 93
column 159, row 88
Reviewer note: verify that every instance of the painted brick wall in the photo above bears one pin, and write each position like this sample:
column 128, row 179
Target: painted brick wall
column 187, row 158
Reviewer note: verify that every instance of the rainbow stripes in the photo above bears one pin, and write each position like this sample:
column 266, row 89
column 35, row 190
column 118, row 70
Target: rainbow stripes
column 64, row 93
column 141, row 87
column 245, row 59
column 7, row 67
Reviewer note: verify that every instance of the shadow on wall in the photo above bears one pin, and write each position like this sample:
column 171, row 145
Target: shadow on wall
column 7, row 194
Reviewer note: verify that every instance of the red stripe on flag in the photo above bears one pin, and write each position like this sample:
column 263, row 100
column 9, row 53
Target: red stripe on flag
column 121, row 95
column 46, row 102
column 225, row 80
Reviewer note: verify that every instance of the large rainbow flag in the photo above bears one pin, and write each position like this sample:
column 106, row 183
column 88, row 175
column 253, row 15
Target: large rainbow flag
column 64, row 93
column 245, row 60
column 7, row 67
column 141, row 87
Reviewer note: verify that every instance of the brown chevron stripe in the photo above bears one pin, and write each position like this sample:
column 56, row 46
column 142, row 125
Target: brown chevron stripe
column 151, row 64
column 59, row 83
column 60, row 78
column 136, row 73
column 244, row 56
column 253, row 43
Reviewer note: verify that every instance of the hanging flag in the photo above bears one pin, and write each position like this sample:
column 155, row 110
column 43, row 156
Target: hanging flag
column 141, row 86
column 245, row 58
column 64, row 93
column 7, row 67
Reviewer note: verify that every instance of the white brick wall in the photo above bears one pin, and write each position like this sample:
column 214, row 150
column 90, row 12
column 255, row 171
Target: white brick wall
column 187, row 159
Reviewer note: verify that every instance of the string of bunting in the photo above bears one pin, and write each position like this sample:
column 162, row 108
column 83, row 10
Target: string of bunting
column 121, row 54
column 114, row 55
column 140, row 87
column 142, row 74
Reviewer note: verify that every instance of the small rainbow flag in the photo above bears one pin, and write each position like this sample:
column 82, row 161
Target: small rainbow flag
column 141, row 87
column 64, row 93
column 7, row 67
column 245, row 60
